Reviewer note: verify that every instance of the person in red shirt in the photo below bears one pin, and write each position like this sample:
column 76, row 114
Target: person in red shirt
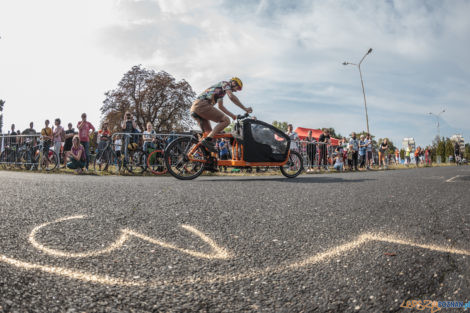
column 84, row 128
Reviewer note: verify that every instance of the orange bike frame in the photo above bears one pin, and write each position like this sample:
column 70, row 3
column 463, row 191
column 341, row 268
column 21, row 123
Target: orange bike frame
column 237, row 155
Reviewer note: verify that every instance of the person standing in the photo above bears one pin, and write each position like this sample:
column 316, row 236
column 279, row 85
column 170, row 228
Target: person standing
column 46, row 135
column 383, row 152
column 30, row 131
column 294, row 138
column 129, row 126
column 427, row 156
column 59, row 136
column 323, row 142
column 369, row 159
column 355, row 150
column 417, row 155
column 69, row 133
column 13, row 136
column 84, row 128
column 222, row 147
column 311, row 151
column 408, row 155
column 362, row 152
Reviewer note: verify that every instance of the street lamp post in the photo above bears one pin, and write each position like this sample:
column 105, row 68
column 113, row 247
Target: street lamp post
column 362, row 83
column 437, row 117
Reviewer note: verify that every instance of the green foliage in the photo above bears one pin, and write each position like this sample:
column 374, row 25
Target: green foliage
column 280, row 125
column 467, row 151
column 229, row 128
column 441, row 150
column 449, row 147
column 402, row 154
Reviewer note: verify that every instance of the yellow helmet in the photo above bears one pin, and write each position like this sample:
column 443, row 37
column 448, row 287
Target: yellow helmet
column 238, row 81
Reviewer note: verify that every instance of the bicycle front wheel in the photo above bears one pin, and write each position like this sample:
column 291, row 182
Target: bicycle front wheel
column 48, row 161
column 294, row 165
column 177, row 161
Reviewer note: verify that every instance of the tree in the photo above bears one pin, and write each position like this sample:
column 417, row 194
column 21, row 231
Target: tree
column 280, row 125
column 333, row 133
column 154, row 97
column 449, row 148
column 441, row 150
column 2, row 103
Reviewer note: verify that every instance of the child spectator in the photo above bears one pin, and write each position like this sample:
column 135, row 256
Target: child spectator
column 118, row 145
column 223, row 151
column 77, row 156
column 362, row 152
column 339, row 166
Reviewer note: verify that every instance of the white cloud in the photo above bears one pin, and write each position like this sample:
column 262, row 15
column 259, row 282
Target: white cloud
column 288, row 53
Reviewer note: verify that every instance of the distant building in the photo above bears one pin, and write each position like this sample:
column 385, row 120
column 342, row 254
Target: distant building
column 408, row 141
column 459, row 138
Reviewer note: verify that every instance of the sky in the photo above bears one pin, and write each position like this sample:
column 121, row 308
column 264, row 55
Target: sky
column 59, row 57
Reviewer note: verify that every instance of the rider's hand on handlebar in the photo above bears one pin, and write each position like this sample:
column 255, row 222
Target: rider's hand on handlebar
column 249, row 110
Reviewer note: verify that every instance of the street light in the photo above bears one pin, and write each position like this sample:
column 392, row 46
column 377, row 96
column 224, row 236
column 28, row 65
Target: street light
column 437, row 117
column 362, row 83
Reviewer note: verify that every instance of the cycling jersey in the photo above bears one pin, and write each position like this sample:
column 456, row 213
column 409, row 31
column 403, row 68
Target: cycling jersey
column 215, row 92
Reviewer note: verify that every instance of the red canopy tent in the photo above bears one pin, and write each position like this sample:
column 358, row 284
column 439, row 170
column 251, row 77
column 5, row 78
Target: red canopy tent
column 303, row 133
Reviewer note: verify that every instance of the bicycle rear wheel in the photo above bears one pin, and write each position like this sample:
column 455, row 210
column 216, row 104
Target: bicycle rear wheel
column 177, row 161
column 156, row 162
column 294, row 165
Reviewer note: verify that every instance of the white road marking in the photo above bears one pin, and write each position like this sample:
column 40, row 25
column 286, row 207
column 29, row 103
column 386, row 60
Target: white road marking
column 450, row 180
column 325, row 256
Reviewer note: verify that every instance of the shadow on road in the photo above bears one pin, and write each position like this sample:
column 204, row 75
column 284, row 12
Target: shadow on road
column 299, row 180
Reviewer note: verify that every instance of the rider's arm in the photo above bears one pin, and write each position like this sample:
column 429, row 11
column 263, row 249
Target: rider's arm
column 235, row 100
column 224, row 109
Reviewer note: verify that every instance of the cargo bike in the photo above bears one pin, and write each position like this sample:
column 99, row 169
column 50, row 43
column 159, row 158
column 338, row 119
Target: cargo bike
column 253, row 144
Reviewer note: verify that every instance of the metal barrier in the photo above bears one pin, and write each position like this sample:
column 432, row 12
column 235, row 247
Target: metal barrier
column 319, row 154
column 15, row 152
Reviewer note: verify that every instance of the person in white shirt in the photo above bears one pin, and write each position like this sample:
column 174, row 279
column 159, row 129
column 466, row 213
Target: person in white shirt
column 149, row 137
column 294, row 138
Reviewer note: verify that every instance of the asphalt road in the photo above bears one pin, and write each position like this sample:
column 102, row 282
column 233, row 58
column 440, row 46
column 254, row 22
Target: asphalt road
column 353, row 242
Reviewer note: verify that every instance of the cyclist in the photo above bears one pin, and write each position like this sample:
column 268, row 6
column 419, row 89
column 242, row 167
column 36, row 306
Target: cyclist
column 203, row 110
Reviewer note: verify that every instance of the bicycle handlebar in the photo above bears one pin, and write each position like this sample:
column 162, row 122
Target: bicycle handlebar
column 240, row 116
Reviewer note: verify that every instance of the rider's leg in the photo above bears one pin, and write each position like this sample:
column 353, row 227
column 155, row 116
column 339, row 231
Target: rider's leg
column 208, row 113
column 223, row 123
